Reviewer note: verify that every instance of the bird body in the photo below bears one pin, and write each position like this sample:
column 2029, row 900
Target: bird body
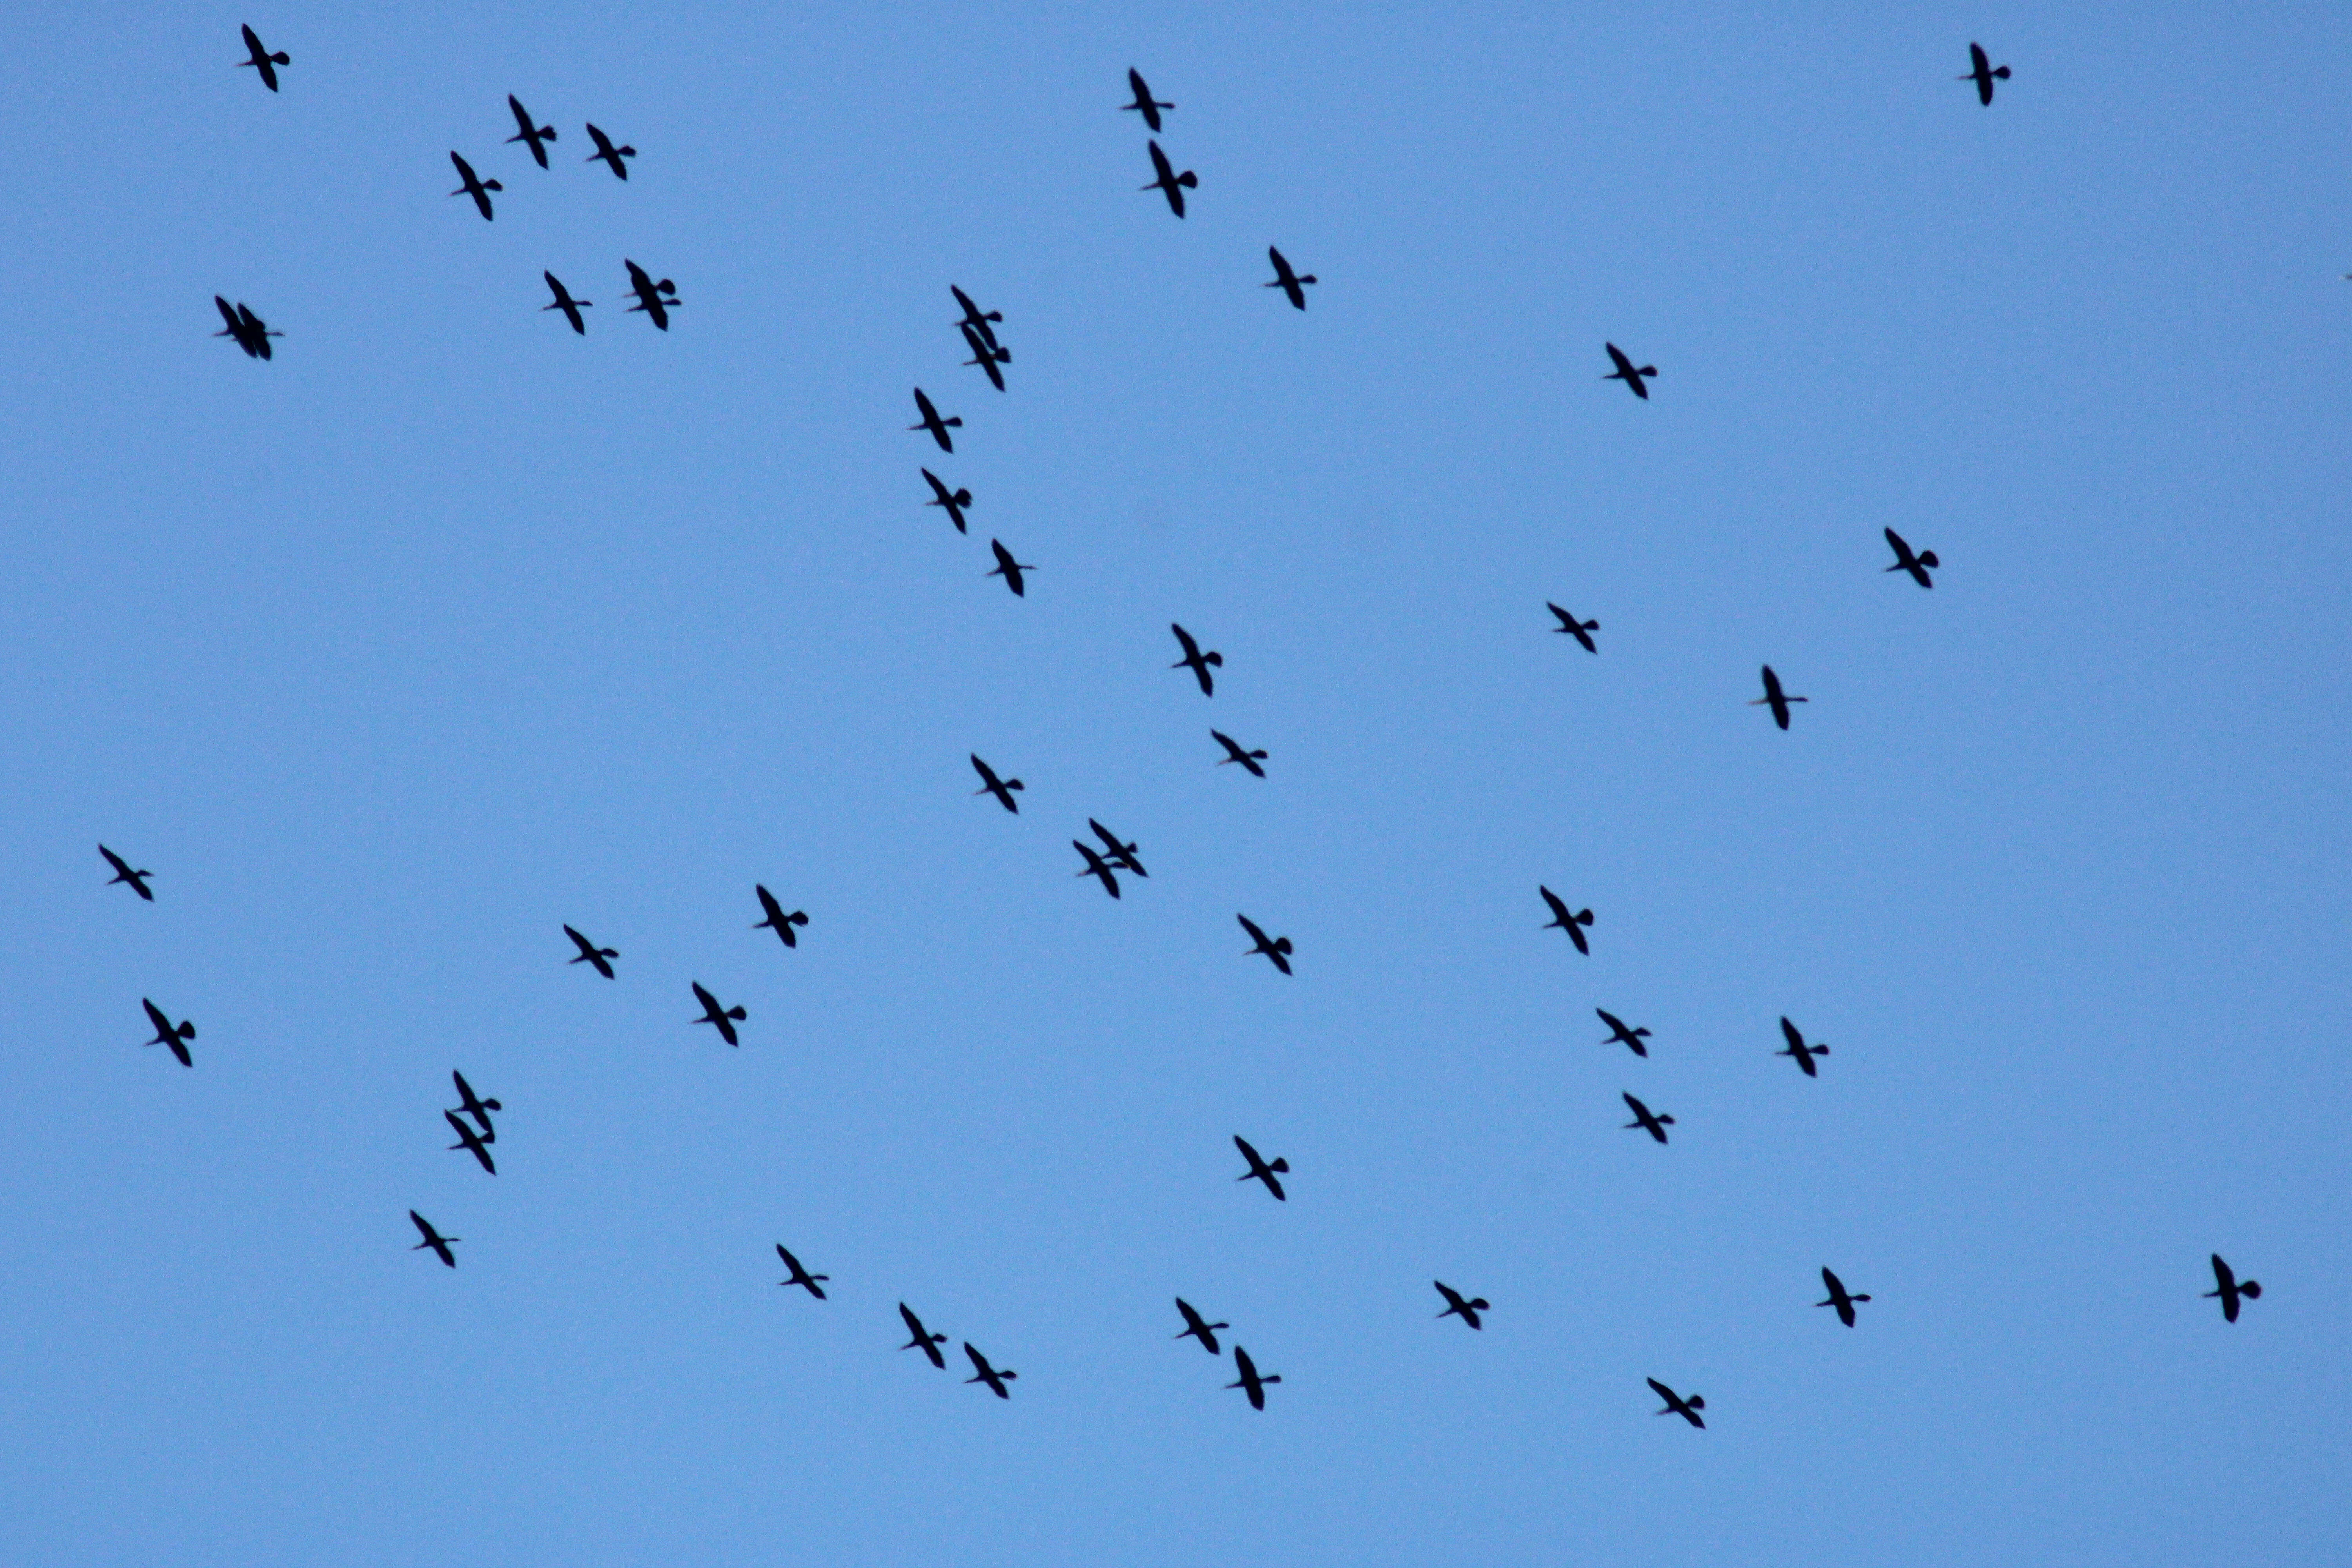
column 1984, row 73
column 1798, row 1049
column 777, row 920
column 475, row 1107
column 1234, row 753
column 1199, row 1328
column 954, row 501
column 1097, row 867
column 931, row 422
column 537, row 135
column 1573, row 924
column 1689, row 1409
column 1619, row 1033
column 1458, row 1306
column 1287, row 281
column 251, row 332
column 1009, row 570
column 566, row 303
column 1199, row 663
column 1252, row 1382
column 610, row 154
column 924, row 1340
column 1629, row 373
column 478, row 188
column 1840, row 1298
column 123, row 873
column 1775, row 699
column 1119, row 853
column 996, row 1377
column 1276, row 949
column 1918, row 566
column 262, row 60
column 600, row 958
column 167, row 1033
column 800, row 1275
column 1647, row 1120
column 470, row 1141
column 1165, row 179
column 987, row 355
column 2229, row 1288
column 723, row 1019
column 432, row 1239
column 1000, row 788
column 1570, row 626
column 979, row 320
column 655, row 299
column 1262, row 1169
column 1145, row 104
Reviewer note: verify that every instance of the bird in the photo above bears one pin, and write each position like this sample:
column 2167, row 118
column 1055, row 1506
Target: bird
column 1277, row 950
column 924, row 1340
column 953, row 501
column 611, row 154
column 1121, row 855
column 479, row 189
column 1009, row 569
column 263, row 60
column 777, row 920
column 1144, row 104
column 655, row 299
column 1196, row 661
column 1689, row 1409
column 1167, row 180
column 1619, row 1032
column 1455, row 1307
column 537, row 135
column 567, row 304
column 1233, row 754
column 1097, row 867
column 2228, row 1287
column 439, row 1243
column 1000, row 788
column 987, row 355
column 598, row 958
column 468, row 1139
column 1199, row 1328
column 1984, row 73
column 1573, row 924
column 1839, row 1298
column 251, row 332
column 1798, row 1049
column 1287, row 281
column 932, row 422
column 800, row 1275
column 996, row 1377
column 123, row 873
column 723, row 1018
column 1252, row 1382
column 1918, row 566
column 978, row 319
column 167, row 1033
column 1775, row 699
column 1570, row 626
column 476, row 1107
column 1261, row 1171
column 1628, row 373
column 1647, row 1120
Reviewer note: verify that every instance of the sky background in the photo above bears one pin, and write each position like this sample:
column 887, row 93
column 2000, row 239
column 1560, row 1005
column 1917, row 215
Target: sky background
column 446, row 628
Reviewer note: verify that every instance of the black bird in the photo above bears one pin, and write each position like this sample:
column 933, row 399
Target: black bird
column 723, row 1018
column 1009, row 569
column 1455, row 1307
column 1984, row 73
column 468, row 1139
column 1253, row 1382
column 2230, row 1288
column 251, row 332
column 932, row 422
column 996, row 1377
column 611, row 154
column 123, row 873
column 1119, row 854
column 263, row 60
column 655, row 299
column 800, row 1275
column 777, row 920
column 953, row 501
column 598, row 958
column 1169, row 181
column 1918, row 566
column 1289, row 281
column 475, row 1107
column 567, row 304
column 1646, row 1120
column 1573, row 924
column 479, row 189
column 1097, row 867
column 1000, row 788
column 1775, row 699
column 167, row 1033
column 1628, row 373
column 1619, row 1033
column 1260, row 1171
column 1840, row 1298
column 1233, row 754
column 987, row 355
column 1196, row 661
column 924, row 1340
column 979, row 320
column 537, row 135
column 1277, row 949
column 1689, row 1409
column 1199, row 1328
column 439, row 1243
column 1570, row 626
column 1798, row 1049
column 1145, row 104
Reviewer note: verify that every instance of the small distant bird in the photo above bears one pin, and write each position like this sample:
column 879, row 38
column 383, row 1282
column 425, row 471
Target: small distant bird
column 979, row 320
column 1918, row 566
column 537, row 135
column 1570, row 626
column 263, row 60
column 1689, row 1409
column 777, row 920
column 1169, row 182
column 1619, row 1034
column 167, row 1033
column 1798, row 1049
column 1199, row 1328
column 800, row 1275
column 1009, row 569
column 439, row 1243
column 1119, row 854
column 470, row 1141
column 123, row 873
column 1647, row 1120
column 1984, row 73
column 1252, row 1382
column 655, row 299
column 611, row 154
column 1144, row 104
column 598, row 958
column 1233, row 754
column 987, row 355
column 924, row 1340
column 723, row 1018
column 1097, row 867
column 566, row 303
column 1628, row 373
column 1455, row 1307
column 1573, row 924
column 1277, row 949
column 1289, row 281
column 938, row 427
column 953, row 501
column 1775, row 699
column 479, row 189
column 251, row 332
column 2228, row 1287
column 1840, row 1298
column 996, row 1377
column 1196, row 661
column 1000, row 788
column 476, row 1107
column 1261, row 1171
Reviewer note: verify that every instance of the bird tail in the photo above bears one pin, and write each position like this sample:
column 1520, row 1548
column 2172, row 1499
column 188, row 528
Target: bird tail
column 737, row 1014
column 1697, row 1402
column 2250, row 1290
column 1189, row 179
column 1282, row 1164
column 1281, row 944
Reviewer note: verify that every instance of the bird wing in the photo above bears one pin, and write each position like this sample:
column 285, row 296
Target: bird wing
column 1259, row 937
column 1559, row 909
column 163, row 1026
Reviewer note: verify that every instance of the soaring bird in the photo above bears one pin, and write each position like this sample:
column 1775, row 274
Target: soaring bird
column 1000, row 788
column 537, row 135
column 123, row 873
column 987, row 355
column 1455, row 1307
column 1689, row 1409
column 1009, row 569
column 476, row 1106
column 1570, row 626
column 2228, row 1287
column 723, row 1018
column 470, row 1141
column 1918, row 566
column 924, row 1341
column 611, row 154
column 1984, row 73
column 1196, row 1327
column 655, row 299
column 439, row 1243
column 1144, row 104
column 1647, row 1120
column 938, row 427
column 167, row 1033
column 979, row 320
column 954, row 501
column 251, row 332
column 1233, row 754
column 1798, row 1049
column 1262, row 1170
column 1167, row 180
column 1196, row 661
column 263, row 60
column 777, row 920
column 1276, row 949
column 1840, row 1298
column 1619, row 1034
column 1573, row 924
column 566, row 303
column 1629, row 373
column 479, row 189
column 996, row 1377
column 1097, row 867
column 1287, row 281
column 1775, row 699
column 800, row 1275
column 598, row 958
column 1252, row 1382
column 1119, row 852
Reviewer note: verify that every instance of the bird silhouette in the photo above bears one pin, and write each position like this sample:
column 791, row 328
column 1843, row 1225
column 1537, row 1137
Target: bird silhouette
column 566, row 303
column 537, row 135
column 1277, row 950
column 777, row 920
column 1619, row 1034
column 263, row 60
column 1798, row 1049
column 479, row 189
column 1097, row 867
column 123, row 873
column 1689, row 1409
column 938, row 427
column 1196, row 661
column 1287, row 281
column 470, row 1141
column 1261, row 1170
column 439, row 1243
column 1984, row 73
column 954, row 501
column 979, row 320
column 1628, row 373
column 655, row 299
column 476, row 1107
column 924, row 1340
column 1573, row 924
column 1839, row 1298
column 167, row 1033
column 598, row 958
column 1918, row 566
column 1775, row 699
column 1169, row 182
column 996, row 1377
column 1119, row 853
column 1009, row 569
column 1233, row 754
column 251, row 332
column 1647, row 1120
column 800, row 1275
column 723, row 1018
column 609, row 153
column 1570, row 626
column 2229, row 1288
column 1253, row 1382
column 1455, row 1307
column 1199, row 1328
column 1000, row 788
column 987, row 355
column 1144, row 104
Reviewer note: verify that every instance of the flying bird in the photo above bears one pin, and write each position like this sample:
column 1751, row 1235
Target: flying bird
column 1570, row 626
column 655, row 299
column 1619, row 1034
column 1455, row 1307
column 1145, row 104
column 1798, row 1049
column 723, row 1018
column 167, row 1033
column 468, row 1139
column 1120, row 855
column 1775, row 699
column 1840, row 1298
column 2228, row 1287
column 611, row 154
column 1000, row 788
column 1628, row 373
column 598, row 958
column 800, row 1275
column 537, row 135
column 1199, row 1328
column 777, row 920
column 924, row 1340
column 1984, row 73
column 1009, row 569
column 1646, row 1120
column 979, row 320
column 479, row 189
column 953, row 501
column 567, row 304
column 1689, row 1409
column 996, row 1377
column 1573, row 924
column 987, row 355
column 263, row 60
column 1196, row 661
column 251, row 332
column 123, row 873
column 1252, row 1382
column 1289, row 281
column 938, row 427
column 1233, row 754
column 476, row 1107
column 1260, row 1171
column 1918, row 566
column 1167, row 180
column 439, row 1243
column 1277, row 949
column 1097, row 867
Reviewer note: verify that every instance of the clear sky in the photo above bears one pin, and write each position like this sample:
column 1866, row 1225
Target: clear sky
column 446, row 628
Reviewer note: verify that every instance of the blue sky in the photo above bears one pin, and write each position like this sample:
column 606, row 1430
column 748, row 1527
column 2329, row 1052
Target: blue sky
column 446, row 628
